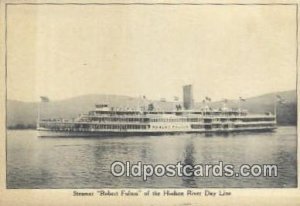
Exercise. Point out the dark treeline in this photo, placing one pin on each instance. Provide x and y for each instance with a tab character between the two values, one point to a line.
22	126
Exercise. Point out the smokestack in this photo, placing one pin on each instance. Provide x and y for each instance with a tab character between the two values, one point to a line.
188	102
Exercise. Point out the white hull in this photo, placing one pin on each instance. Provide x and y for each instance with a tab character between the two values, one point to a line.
42	132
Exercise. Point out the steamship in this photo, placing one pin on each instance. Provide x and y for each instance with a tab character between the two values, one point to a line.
104	120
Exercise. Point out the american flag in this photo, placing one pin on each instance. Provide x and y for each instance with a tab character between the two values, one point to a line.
242	99
280	99
208	99
44	99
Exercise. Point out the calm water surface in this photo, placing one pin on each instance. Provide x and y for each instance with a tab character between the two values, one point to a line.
34	162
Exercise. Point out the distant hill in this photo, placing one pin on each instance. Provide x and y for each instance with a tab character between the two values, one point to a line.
24	114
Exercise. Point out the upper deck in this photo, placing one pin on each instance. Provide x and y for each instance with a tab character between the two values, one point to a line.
181	113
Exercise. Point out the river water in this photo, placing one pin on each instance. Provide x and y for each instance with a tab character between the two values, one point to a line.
35	162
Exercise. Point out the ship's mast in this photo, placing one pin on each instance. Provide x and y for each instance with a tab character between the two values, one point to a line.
43	99
240	109
275	108
39	115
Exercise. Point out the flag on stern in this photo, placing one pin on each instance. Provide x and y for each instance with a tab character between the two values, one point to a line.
208	99
280	99
44	99
242	99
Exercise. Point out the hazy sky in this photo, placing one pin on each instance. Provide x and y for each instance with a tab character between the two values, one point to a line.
224	51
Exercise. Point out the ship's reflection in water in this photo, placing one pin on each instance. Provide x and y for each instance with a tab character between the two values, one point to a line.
34	162
189	159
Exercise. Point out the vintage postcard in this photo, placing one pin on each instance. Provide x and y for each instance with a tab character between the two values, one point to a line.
149	102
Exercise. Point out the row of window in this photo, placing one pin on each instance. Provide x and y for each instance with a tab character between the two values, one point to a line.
120	127
168	120
114	119
253	125
94	126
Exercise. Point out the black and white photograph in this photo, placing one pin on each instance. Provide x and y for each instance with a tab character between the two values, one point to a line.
152	95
